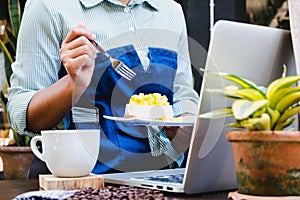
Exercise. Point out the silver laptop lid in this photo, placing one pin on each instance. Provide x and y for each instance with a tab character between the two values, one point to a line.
255	52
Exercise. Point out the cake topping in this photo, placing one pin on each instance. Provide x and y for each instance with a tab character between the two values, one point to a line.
149	99
149	106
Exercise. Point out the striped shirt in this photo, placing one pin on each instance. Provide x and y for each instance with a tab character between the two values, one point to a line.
142	23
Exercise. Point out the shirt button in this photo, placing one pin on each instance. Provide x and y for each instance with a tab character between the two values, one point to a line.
126	9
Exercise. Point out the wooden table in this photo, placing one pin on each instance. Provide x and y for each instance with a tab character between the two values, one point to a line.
11	188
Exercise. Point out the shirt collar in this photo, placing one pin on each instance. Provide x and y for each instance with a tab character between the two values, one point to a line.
91	3
152	3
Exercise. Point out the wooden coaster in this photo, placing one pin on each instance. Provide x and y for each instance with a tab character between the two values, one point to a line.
238	196
50	182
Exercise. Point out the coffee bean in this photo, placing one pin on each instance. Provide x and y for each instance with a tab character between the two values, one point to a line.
117	193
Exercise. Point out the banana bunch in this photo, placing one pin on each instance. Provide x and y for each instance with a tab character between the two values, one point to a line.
256	109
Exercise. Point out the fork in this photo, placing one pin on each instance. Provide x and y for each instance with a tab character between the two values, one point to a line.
117	65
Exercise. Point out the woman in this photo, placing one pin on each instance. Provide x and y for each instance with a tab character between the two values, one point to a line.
59	75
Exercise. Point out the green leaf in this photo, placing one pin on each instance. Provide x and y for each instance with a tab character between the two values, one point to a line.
277	96
6	52
245	93
219	113
8	69
234	125
8	60
242	109
243	82
288	101
271	108
284	71
280	83
12	39
21	140
256	124
259	112
284	124
289	113
274	114
234	92
15	15
3	98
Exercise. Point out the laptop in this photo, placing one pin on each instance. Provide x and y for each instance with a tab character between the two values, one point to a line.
255	52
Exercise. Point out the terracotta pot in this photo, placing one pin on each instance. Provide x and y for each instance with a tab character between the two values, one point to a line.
16	161
267	162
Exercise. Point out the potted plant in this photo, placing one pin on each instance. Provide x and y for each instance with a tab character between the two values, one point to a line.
17	155
265	149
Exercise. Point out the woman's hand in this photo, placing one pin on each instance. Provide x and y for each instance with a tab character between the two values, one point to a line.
78	56
180	136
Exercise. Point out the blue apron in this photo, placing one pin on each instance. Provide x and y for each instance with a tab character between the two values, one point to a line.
123	146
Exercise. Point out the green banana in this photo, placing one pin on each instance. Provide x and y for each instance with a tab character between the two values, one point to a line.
288	101
280	83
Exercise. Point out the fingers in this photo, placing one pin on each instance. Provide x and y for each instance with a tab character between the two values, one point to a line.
78	55
76	48
78	43
171	131
180	137
75	65
78	31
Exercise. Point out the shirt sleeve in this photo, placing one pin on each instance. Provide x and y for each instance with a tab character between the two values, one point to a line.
160	144
185	97
37	61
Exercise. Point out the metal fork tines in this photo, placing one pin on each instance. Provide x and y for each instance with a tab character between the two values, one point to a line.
117	65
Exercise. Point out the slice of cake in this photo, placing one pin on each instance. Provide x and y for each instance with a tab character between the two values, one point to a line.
149	106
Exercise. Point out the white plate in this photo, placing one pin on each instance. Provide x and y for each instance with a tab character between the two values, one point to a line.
148	122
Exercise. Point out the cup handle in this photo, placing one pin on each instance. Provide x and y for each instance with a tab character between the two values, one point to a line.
34	147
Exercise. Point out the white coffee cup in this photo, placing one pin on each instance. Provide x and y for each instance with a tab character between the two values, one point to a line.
68	153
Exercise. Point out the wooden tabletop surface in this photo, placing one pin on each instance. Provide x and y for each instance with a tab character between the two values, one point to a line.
11	188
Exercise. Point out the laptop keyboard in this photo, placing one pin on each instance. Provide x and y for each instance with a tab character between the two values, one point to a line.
176	178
